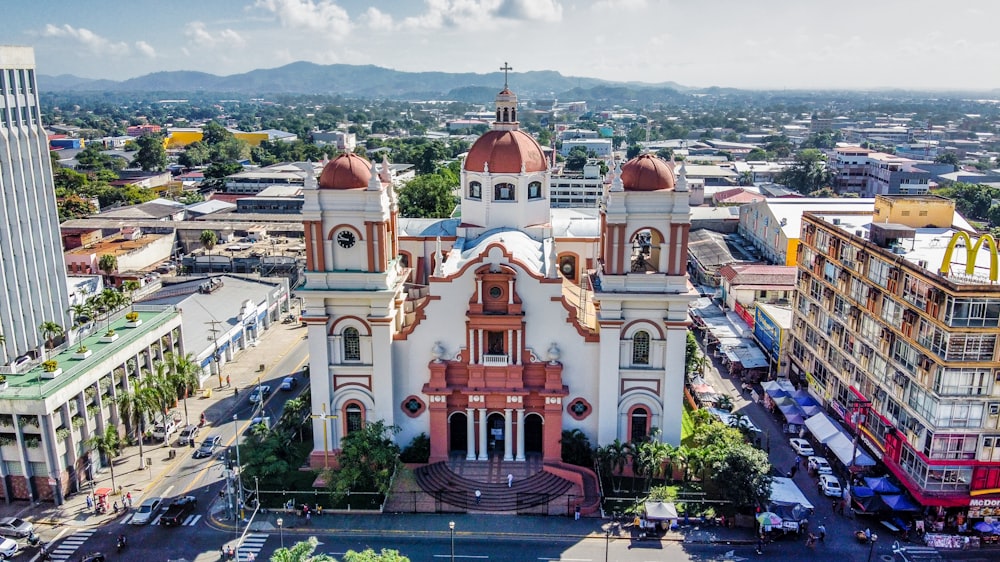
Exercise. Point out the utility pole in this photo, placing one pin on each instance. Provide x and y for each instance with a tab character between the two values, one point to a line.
215	338
859	414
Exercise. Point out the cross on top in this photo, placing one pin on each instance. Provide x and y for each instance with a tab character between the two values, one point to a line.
506	67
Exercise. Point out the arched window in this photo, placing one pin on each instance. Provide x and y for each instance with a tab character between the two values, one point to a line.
355	420
640	348
535	190
352	344
640	425
475	190
503	192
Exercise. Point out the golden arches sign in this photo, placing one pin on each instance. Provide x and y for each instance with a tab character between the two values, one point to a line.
971	253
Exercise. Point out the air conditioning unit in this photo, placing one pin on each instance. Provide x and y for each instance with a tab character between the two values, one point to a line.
994	409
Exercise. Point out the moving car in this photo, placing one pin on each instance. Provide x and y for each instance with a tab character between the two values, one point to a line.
188	434
8	548
178	510
260	393
147	509
93	557
801	446
288	383
830	486
208	447
822	466
14	527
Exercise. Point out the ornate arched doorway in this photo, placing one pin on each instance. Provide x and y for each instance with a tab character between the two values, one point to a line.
533	438
458	435
495	433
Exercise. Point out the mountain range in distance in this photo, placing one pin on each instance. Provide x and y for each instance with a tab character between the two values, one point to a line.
359	81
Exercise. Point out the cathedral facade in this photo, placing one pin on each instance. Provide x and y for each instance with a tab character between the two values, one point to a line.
495	331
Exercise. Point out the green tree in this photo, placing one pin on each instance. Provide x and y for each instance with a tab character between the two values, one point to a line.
208	240
50	331
301	552
947	158
613	457
577	158
93	158
427	196
73	206
756	155
108	445
807	173
691	353
151	157
367	460
743	475
576	448
972	200
184	377
107	263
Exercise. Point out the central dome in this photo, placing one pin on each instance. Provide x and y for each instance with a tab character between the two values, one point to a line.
647	172
347	171
505	152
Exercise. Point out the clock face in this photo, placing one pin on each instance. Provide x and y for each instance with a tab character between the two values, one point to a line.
345	238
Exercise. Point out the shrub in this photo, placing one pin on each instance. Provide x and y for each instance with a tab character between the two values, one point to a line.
50	365
132	316
418	451
81	349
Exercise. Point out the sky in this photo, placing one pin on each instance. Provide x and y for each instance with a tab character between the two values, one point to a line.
755	44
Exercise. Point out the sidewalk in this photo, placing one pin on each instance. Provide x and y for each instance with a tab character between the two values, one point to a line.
129	475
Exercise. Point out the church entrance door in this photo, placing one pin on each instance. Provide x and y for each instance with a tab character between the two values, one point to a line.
495	433
458	433
533	433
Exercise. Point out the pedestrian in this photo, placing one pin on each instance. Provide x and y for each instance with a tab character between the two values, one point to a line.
479	497
798	459
510	480
811	540
116	508
227	381
760	544
804	525
822	532
251	557
308	517
576	514
795	468
90	503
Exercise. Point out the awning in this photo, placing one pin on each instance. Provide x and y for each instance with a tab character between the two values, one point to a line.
778	388
898	502
881	485
822	427
844	449
660	511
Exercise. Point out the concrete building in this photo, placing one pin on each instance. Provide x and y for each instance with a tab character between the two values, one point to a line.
600	147
494	333
895	330
869	173
577	188
33	286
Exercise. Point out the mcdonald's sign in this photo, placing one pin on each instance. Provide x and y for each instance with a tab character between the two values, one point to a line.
971	253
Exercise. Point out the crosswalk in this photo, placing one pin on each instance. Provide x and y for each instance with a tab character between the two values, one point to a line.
190	521
252	544
70	544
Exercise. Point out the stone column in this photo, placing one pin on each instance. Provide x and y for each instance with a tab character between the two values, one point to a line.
508	429
470	432
484	453
520	435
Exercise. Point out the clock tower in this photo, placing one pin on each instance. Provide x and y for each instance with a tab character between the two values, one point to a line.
352	295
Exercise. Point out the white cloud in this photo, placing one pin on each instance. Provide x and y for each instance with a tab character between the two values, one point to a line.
312	15
452	13
377	19
145	48
88	39
199	34
531	10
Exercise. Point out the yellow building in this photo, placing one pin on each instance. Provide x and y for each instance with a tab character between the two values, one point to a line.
917	211
181	137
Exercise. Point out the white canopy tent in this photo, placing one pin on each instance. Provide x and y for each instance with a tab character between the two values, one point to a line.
660	511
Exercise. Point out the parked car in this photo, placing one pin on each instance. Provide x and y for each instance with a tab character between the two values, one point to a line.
801	446
188	434
147	510
15	527
288	383
207	447
8	548
93	557
830	486
164	429
820	465
260	393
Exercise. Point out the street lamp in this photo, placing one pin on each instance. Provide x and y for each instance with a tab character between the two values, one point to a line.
451	525
239	473
281	533
607	542
871	547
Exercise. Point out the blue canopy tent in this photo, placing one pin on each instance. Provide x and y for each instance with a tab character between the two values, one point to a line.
898	503
881	485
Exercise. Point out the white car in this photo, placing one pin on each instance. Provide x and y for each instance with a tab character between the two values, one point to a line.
165	429
146	511
820	465
8	548
830	486
801	446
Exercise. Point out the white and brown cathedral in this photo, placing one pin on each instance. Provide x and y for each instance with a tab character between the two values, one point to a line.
494	332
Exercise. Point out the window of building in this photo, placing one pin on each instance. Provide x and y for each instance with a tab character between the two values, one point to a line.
640	348
580	409
878	271
503	192
960	414
964	382
495	343
355	419
971	347
475	190
413	406
352	344
972	312
639	425
535	190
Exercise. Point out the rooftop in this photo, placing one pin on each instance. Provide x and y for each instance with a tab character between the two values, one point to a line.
116	246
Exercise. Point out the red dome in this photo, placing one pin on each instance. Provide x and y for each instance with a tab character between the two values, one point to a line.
646	172
505	151
347	171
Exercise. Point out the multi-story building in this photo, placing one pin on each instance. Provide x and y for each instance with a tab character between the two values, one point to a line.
33	286
577	189
869	173
895	329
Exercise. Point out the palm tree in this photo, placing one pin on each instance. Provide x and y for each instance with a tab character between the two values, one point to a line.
185	376
80	313
112	301
108	445
50	330
133	408
129	288
208	240
108	263
700	363
614	457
